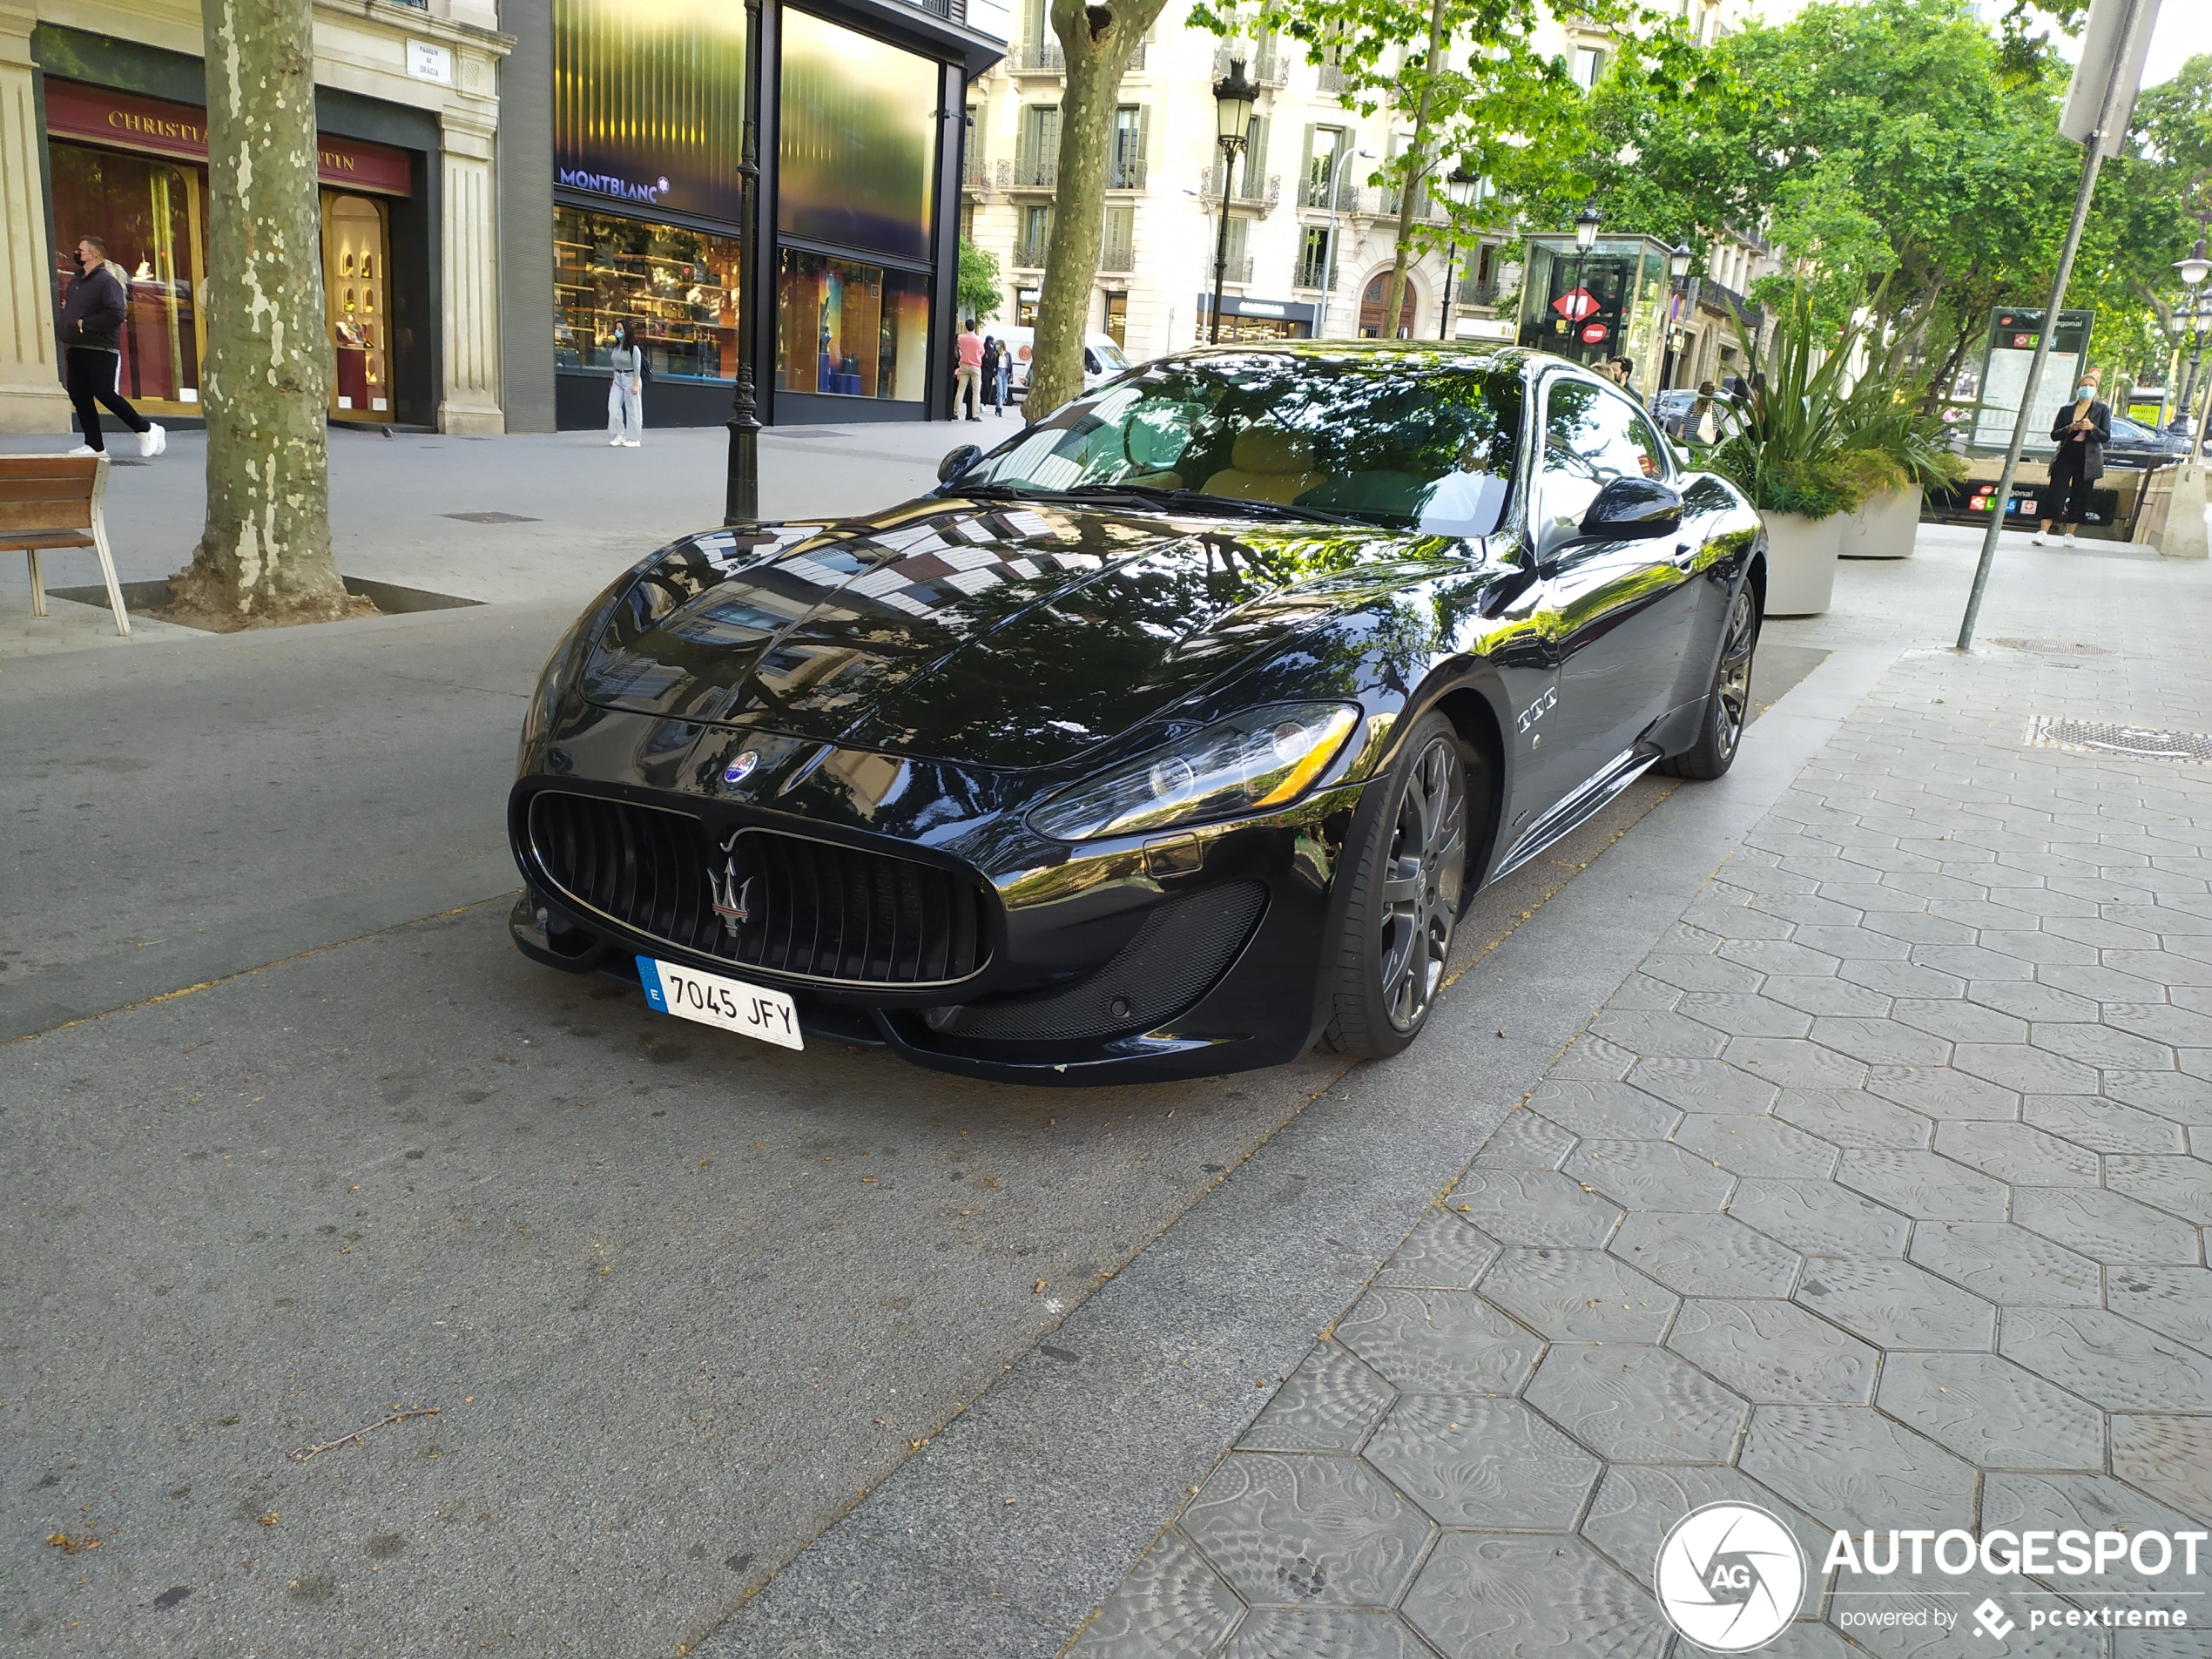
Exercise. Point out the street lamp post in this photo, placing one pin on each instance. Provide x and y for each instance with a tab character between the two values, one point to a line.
741	501
1232	102
1460	188
1586	224
1329	273
2192	271
1677	267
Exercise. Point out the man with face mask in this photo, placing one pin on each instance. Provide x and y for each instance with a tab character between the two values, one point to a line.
93	312
2082	429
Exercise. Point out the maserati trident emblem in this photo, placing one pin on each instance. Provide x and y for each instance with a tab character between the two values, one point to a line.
731	896
739	769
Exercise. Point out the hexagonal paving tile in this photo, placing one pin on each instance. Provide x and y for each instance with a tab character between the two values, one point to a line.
2032	1001
1902	979
2103	1125
1484	1595
2102	1045
1853	1117
1637	1504
1645	1031
2180	1186
1171	1603
1847	1466
1438	1342
2174	1301
1650	1175
1705	1255
1534	1207
1589	1056
1958	1021
1742	1015
2167	1456
1818	994
2018	1154
1991	1412
2002	1263
1313	1632
1328	1404
1473	1460
2021	1502
1749	1144
1607	1110
2161	1023
1894	1305
1779	956
1525	1141
1923	1184
2109	1226
1703	1085
2024	1070
1795	1065
1442	1253
1818	1217
1853	944
1702	973
1775	1352
1637	1405
1943	1094
2171	1094
1880	1043
2117	1364
1306	1530
1579	1296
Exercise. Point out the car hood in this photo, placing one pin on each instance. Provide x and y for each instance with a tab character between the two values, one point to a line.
995	634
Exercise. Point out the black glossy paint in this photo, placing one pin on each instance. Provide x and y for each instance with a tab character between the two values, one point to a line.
916	680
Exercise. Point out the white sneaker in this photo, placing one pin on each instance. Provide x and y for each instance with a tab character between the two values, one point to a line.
615	442
630	443
152	441
87	449
2069	541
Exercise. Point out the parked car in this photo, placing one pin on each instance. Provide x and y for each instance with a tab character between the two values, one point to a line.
1670	406
2134	444
1174	734
1102	359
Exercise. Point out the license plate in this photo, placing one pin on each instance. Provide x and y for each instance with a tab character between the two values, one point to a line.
751	1011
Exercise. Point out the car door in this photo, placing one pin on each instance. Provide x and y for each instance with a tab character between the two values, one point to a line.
1626	609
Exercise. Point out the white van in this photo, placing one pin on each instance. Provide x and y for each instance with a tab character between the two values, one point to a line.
1102	359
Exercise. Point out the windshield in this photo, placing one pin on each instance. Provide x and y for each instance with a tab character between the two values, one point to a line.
1404	441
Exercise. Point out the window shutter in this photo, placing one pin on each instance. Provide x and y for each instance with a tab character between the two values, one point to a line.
1308	188
1237	247
1143	141
1256	155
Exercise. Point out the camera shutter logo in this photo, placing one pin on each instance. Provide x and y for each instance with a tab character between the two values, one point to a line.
1730	1577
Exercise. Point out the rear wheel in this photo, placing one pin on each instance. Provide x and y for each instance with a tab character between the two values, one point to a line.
1407	871
1728	700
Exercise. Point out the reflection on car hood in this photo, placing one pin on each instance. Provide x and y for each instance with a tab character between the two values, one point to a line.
1002	634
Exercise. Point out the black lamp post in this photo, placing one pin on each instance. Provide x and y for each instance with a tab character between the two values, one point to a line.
2192	271
741	503
1677	267
1586	224
1232	105
1460	188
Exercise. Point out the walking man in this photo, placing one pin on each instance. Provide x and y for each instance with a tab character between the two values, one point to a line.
93	312
967	382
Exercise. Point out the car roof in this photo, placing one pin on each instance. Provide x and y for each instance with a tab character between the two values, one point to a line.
1430	354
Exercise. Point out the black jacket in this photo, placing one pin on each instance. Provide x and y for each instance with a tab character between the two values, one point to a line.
93	311
2091	449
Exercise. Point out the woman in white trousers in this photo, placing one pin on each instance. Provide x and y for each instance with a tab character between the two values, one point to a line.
626	392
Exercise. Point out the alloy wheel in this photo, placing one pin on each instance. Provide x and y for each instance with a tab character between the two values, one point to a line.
1732	686
1421	889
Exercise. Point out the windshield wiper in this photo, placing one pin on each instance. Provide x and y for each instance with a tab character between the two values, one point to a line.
1154	495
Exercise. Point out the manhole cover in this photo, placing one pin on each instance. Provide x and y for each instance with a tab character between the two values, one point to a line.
493	518
2099	738
2052	647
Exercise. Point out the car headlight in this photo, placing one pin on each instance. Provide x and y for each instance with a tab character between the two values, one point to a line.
1254	763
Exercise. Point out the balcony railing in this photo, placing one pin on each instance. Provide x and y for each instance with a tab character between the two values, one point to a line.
1028	252
1037	57
1125	173
1031	173
1314	273
1267	63
976	175
1317	194
1254	190
1332	80
1136	59
1118	254
1239	273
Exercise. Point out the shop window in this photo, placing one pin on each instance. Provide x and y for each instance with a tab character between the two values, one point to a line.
148	211
680	287
852	330
1117	319
356	255
857	155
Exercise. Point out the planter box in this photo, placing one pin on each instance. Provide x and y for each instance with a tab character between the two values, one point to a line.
1801	562
1885	528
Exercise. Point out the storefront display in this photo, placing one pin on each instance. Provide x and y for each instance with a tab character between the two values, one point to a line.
678	286
852	330
125	169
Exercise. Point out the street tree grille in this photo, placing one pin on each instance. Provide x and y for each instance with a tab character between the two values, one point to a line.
815	910
2102	737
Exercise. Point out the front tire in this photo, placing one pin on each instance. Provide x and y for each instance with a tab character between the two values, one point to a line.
1728	699
1406	872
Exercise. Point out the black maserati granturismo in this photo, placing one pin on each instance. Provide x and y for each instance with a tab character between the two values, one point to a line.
1170	737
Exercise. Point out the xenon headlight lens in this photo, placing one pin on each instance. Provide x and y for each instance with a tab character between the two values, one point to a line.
1253	763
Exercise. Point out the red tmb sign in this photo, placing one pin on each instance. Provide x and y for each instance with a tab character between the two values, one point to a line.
1592	333
1575	304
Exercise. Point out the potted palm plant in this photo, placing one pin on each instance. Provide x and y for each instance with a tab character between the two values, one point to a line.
1786	454
1892	451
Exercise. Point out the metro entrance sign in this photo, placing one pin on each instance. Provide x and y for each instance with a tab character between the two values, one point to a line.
1575	305
2014	333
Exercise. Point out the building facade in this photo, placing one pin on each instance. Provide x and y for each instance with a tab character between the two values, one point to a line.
103	133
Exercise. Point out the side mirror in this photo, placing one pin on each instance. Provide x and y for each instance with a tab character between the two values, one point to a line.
1632	510
958	463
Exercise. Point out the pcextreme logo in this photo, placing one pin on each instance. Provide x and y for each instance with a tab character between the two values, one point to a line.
1729	1576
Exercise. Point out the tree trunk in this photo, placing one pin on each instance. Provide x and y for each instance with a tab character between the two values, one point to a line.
1416	171
264	555
1097	40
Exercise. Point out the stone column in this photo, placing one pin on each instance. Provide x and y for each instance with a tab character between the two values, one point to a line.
31	399
468	402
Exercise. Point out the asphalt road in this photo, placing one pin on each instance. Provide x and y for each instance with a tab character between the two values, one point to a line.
296	1141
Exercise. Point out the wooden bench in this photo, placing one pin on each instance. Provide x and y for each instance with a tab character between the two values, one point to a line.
51	503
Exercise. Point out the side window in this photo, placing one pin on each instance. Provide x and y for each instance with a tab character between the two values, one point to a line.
1591	437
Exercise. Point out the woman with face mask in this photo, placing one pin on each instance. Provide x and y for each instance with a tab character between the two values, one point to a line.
2082	429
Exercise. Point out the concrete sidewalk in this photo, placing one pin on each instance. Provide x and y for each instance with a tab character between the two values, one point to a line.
1875	1197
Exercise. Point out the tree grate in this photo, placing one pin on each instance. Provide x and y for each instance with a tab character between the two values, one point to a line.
2102	737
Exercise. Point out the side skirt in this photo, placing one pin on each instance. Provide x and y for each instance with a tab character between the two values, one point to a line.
1579	807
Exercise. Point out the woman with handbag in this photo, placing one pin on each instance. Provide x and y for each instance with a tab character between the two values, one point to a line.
626	393
2082	430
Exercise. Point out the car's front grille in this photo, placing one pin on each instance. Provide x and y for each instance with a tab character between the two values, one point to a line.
762	898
